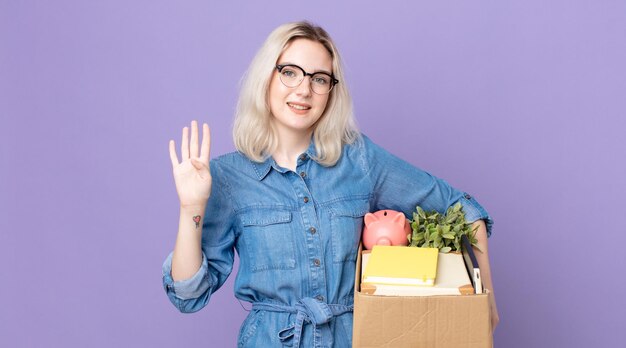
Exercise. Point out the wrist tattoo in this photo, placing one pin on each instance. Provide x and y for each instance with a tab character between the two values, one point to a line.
196	219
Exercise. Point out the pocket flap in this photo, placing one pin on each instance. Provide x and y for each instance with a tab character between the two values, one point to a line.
351	208
264	217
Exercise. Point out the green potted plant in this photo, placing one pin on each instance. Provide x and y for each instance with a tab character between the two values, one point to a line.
434	230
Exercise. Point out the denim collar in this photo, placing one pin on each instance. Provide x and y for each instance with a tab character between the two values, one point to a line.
263	168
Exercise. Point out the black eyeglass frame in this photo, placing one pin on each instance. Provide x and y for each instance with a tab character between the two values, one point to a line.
280	67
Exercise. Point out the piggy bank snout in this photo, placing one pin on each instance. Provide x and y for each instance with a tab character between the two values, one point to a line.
383	241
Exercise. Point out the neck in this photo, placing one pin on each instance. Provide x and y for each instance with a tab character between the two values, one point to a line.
290	146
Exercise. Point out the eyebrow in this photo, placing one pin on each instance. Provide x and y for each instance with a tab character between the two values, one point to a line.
314	71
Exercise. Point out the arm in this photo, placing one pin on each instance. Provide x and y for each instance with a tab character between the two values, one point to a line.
401	186
216	238
203	255
187	256
193	185
483	262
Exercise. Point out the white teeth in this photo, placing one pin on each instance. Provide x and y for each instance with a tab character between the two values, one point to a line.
298	107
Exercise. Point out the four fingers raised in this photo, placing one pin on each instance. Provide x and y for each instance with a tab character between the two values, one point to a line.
189	147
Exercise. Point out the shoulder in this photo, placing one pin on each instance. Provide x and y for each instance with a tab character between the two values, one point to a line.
362	152
365	148
236	166
362	143
234	158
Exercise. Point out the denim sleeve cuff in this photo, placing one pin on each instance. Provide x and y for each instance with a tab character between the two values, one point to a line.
474	211
191	288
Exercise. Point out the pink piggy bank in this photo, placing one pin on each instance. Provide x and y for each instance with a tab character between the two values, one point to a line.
385	227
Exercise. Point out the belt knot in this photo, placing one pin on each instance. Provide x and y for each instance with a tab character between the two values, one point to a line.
307	310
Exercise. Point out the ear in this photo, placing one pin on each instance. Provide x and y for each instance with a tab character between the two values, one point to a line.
399	219
370	218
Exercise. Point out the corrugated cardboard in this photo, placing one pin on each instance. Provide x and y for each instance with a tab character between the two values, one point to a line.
430	322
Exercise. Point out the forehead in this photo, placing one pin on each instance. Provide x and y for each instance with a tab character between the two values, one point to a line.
310	55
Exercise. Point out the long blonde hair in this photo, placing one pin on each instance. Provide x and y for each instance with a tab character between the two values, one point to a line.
253	133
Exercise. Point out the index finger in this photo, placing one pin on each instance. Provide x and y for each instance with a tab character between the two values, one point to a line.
205	147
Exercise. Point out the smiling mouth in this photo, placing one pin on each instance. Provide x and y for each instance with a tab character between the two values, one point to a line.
299	106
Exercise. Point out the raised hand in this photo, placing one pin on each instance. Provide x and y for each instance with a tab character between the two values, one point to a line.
192	175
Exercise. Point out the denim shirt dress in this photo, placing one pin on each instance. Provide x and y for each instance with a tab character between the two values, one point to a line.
297	234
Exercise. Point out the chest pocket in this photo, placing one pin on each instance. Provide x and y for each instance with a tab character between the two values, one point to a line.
346	222
268	239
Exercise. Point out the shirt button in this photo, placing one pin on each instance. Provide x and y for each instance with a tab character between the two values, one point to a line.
312	230
467	196
319	298
303	157
302	174
316	262
306	199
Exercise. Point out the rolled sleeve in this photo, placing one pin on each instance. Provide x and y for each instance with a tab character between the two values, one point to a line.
474	211
187	289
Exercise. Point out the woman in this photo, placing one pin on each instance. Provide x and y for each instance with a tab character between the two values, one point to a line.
291	201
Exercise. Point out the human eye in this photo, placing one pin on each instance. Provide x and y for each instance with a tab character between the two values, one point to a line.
289	72
321	79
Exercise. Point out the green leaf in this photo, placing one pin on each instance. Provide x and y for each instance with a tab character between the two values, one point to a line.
445	249
448	235
421	212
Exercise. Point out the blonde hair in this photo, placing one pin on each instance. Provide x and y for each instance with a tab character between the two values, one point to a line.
253	132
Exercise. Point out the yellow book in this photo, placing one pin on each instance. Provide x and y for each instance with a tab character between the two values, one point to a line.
401	265
452	279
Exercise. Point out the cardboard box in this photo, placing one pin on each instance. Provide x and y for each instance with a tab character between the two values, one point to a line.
430	322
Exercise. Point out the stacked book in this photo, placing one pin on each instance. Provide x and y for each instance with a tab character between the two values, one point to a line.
411	271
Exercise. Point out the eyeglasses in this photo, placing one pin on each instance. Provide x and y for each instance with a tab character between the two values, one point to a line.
292	76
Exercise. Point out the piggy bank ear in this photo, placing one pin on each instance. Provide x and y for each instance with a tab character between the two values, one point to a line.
370	218
399	219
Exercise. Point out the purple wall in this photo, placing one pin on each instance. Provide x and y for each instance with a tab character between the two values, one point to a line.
521	104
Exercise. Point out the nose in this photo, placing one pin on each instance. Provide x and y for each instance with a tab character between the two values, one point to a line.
305	86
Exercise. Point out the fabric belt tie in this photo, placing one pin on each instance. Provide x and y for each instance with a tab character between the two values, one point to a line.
307	310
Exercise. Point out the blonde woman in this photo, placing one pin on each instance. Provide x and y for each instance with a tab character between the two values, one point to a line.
291	200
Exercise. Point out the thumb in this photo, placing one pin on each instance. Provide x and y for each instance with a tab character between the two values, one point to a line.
198	165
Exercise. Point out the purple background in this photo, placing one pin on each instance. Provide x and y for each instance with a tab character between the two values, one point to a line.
519	103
